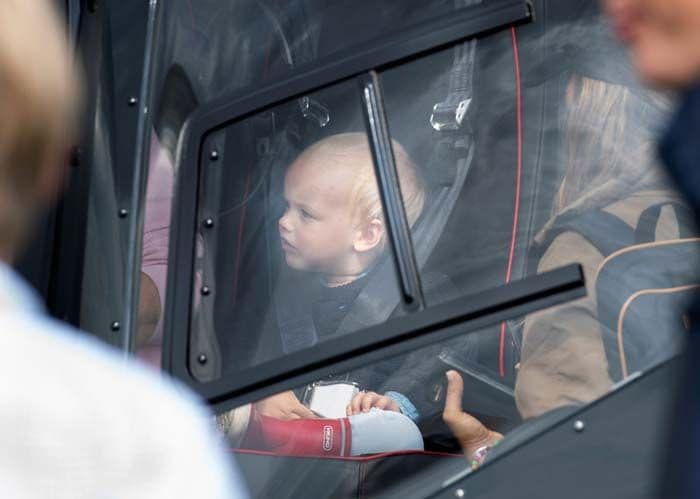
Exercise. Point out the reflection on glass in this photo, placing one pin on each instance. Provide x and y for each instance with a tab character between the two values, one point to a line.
154	264
296	251
458	131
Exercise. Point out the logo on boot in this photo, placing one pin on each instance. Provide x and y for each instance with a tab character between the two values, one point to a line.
327	438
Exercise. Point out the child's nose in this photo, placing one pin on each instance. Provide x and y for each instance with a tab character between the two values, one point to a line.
284	223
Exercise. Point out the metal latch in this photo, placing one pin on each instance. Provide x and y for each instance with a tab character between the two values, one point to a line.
449	115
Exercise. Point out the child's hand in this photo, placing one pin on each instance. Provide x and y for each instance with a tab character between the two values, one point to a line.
364	401
284	406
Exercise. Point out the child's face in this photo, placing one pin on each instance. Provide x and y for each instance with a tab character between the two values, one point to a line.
317	229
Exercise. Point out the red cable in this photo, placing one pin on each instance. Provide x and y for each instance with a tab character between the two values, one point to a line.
366	458
516	213
241	224
266	68
189	4
240	232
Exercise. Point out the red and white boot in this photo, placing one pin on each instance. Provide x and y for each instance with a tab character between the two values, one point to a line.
299	437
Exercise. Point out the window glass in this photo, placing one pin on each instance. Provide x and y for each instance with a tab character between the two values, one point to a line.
292	235
154	257
212	47
461	127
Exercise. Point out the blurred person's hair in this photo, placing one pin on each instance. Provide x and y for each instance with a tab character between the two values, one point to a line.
609	142
39	96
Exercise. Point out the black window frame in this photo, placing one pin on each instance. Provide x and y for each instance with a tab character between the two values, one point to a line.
359	63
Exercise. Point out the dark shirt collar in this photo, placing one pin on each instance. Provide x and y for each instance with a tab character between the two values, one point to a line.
334	303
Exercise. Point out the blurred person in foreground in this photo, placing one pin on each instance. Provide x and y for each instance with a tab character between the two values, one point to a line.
76	421
663	37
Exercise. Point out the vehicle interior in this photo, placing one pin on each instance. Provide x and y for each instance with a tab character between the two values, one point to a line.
533	143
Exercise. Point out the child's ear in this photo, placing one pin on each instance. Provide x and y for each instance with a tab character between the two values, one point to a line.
369	236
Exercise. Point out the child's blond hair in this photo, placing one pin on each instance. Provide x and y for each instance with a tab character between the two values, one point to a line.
38	102
353	149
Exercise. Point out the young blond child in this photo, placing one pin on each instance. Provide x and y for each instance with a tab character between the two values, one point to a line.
333	224
333	227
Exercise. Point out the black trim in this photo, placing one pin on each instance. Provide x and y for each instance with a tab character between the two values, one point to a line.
390	193
397	336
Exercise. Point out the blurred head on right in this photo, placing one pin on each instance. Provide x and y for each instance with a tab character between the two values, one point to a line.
39	100
663	37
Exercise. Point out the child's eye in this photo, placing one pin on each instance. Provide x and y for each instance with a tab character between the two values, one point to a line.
306	215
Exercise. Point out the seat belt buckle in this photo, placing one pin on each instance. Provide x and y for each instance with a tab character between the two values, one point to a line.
450	114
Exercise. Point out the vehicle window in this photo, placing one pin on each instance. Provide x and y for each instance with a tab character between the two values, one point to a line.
292	232
206	49
262	290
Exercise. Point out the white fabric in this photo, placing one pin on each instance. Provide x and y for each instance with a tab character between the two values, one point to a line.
378	431
77	421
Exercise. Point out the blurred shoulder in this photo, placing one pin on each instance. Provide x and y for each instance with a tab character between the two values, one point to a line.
79	413
42	354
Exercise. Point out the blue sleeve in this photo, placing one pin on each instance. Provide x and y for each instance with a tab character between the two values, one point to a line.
405	405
